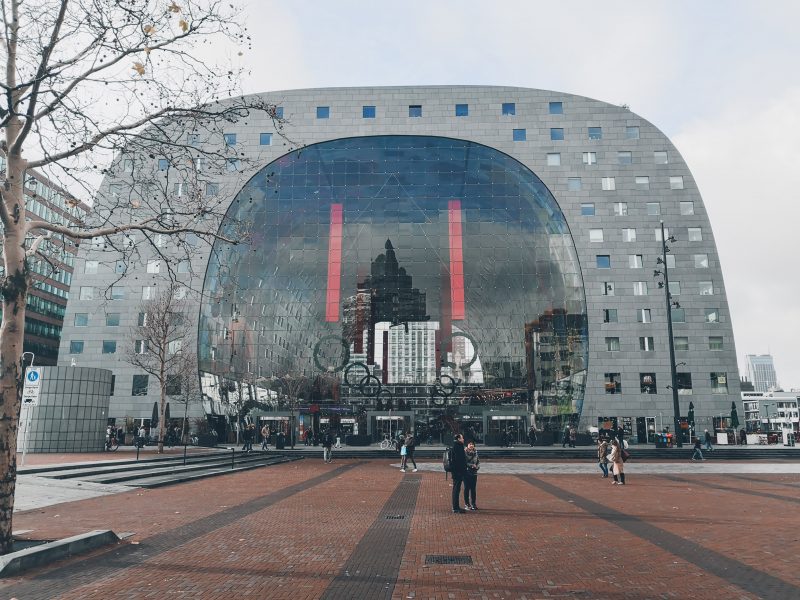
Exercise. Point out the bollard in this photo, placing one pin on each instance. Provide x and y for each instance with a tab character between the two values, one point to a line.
233	457
137	449
184	453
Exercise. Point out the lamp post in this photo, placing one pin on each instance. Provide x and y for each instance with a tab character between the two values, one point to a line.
766	410
669	304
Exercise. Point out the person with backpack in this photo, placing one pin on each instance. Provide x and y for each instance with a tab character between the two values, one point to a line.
458	468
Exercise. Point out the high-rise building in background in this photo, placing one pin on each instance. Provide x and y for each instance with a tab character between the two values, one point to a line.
761	371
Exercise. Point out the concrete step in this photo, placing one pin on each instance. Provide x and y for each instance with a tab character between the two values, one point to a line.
182	477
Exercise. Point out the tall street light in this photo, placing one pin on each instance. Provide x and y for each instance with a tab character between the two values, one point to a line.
669	304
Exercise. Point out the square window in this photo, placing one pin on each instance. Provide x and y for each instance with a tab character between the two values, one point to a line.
715	342
675	288
415	110
323	112
706	288
139	387
120	267
620	209
660	157
629	234
175	346
574	184
683	382
112	319
653	209
509	108
212	189
117	292
632	132
140	346
86	293
184	266
180	188
154	266
81	319
647	383
367	112
608	288
142	319
265	139
556	108
609	184
556	133
635	261
109	346
462	110
519	135
695	234
646	344
609	315
163	164
681	343
719	383
595	133
643	315
613	383
676	182
624	157
642	182
670	261
232	165
678	315
173	385
711	315
90	267
278	112
76	347
603	261
587	209
687	208
229	138
658	233
612	344
554	159
147	292
127	165
590	158
701	261
193	139
640	288
595	235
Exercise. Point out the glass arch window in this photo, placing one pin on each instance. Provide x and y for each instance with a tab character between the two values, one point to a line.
406	272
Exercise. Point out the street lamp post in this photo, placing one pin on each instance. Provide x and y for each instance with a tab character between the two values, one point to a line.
766	410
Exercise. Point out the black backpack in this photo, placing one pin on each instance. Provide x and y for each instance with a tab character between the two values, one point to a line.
447	462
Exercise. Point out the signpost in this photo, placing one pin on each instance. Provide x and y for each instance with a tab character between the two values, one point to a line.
30	398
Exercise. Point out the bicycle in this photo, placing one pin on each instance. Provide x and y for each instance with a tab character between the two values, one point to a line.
387	443
111	443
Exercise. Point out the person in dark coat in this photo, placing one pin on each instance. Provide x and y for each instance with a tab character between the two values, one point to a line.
458	464
621	436
532	436
327	445
471	476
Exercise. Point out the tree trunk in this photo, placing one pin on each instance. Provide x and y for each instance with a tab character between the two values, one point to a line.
162	413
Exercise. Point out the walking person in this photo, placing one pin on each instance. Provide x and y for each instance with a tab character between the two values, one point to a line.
565	438
697	452
403	456
471	476
616	459
602	456
458	465
327	445
707	438
265	438
411	444
621	436
573	436
532	436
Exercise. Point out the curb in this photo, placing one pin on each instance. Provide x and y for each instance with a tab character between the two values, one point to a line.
44	554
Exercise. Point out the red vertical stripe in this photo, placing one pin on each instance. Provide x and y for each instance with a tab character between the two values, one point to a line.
334	265
456	261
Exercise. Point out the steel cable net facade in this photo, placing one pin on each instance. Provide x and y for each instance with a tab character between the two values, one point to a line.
398	272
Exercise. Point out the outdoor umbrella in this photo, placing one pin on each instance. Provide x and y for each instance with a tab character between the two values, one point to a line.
154	416
734	416
166	415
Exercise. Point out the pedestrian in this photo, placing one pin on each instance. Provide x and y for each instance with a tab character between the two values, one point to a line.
411	444
403	456
616	458
327	445
565	438
573	436
697	452
471	476
532	436
743	437
707	437
621	436
265	438
602	455
458	466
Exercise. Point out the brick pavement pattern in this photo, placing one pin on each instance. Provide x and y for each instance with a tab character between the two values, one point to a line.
362	529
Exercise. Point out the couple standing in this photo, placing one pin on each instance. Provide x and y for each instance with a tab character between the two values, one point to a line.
464	469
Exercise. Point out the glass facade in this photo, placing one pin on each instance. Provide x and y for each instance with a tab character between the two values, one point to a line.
419	274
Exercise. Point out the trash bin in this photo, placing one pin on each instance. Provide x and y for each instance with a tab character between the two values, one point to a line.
661	440
280	442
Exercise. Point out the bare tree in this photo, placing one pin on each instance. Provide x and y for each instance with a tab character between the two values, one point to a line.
183	386
87	85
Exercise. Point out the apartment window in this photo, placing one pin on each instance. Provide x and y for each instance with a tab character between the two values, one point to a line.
684	383
140	346
120	267
147	292
519	135
624	157
175	346
265	139
163	164
127	165
646	344
509	108
647	383
323	112
701	261
367	112
415	110
153	266
90	267
715	342
660	157
674	288
554	159
76	347
229	138
687	208
653	209
608	288
556	133
112	319
678	315
719	383
278	112
232	165
643	315
86	293
184	266
613	383
670	261
694	234
140	383
635	261
603	261
81	319
640	288
109	346
193	139
179	188
612	344
609	184
629	234
706	288
642	182
590	158
620	209
609	315
676	182
462	110
632	133
117	292
595	235
173	387
595	133
212	189
574	184
556	108
711	315
587	209
141	321
658	233
681	343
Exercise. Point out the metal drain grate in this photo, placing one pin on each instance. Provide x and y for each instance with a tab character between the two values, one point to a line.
447	559
395	517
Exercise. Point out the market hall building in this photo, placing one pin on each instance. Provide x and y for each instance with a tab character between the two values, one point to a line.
437	259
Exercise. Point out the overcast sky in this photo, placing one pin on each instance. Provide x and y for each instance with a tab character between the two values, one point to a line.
720	78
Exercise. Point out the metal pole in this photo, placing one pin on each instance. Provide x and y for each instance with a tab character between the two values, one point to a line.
29	415
675	402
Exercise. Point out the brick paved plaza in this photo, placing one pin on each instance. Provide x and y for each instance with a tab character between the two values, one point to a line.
362	529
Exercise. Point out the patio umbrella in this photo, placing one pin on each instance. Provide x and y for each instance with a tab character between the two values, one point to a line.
166	415
154	416
734	416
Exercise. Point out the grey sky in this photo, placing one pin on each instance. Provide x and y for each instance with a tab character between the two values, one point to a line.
720	78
